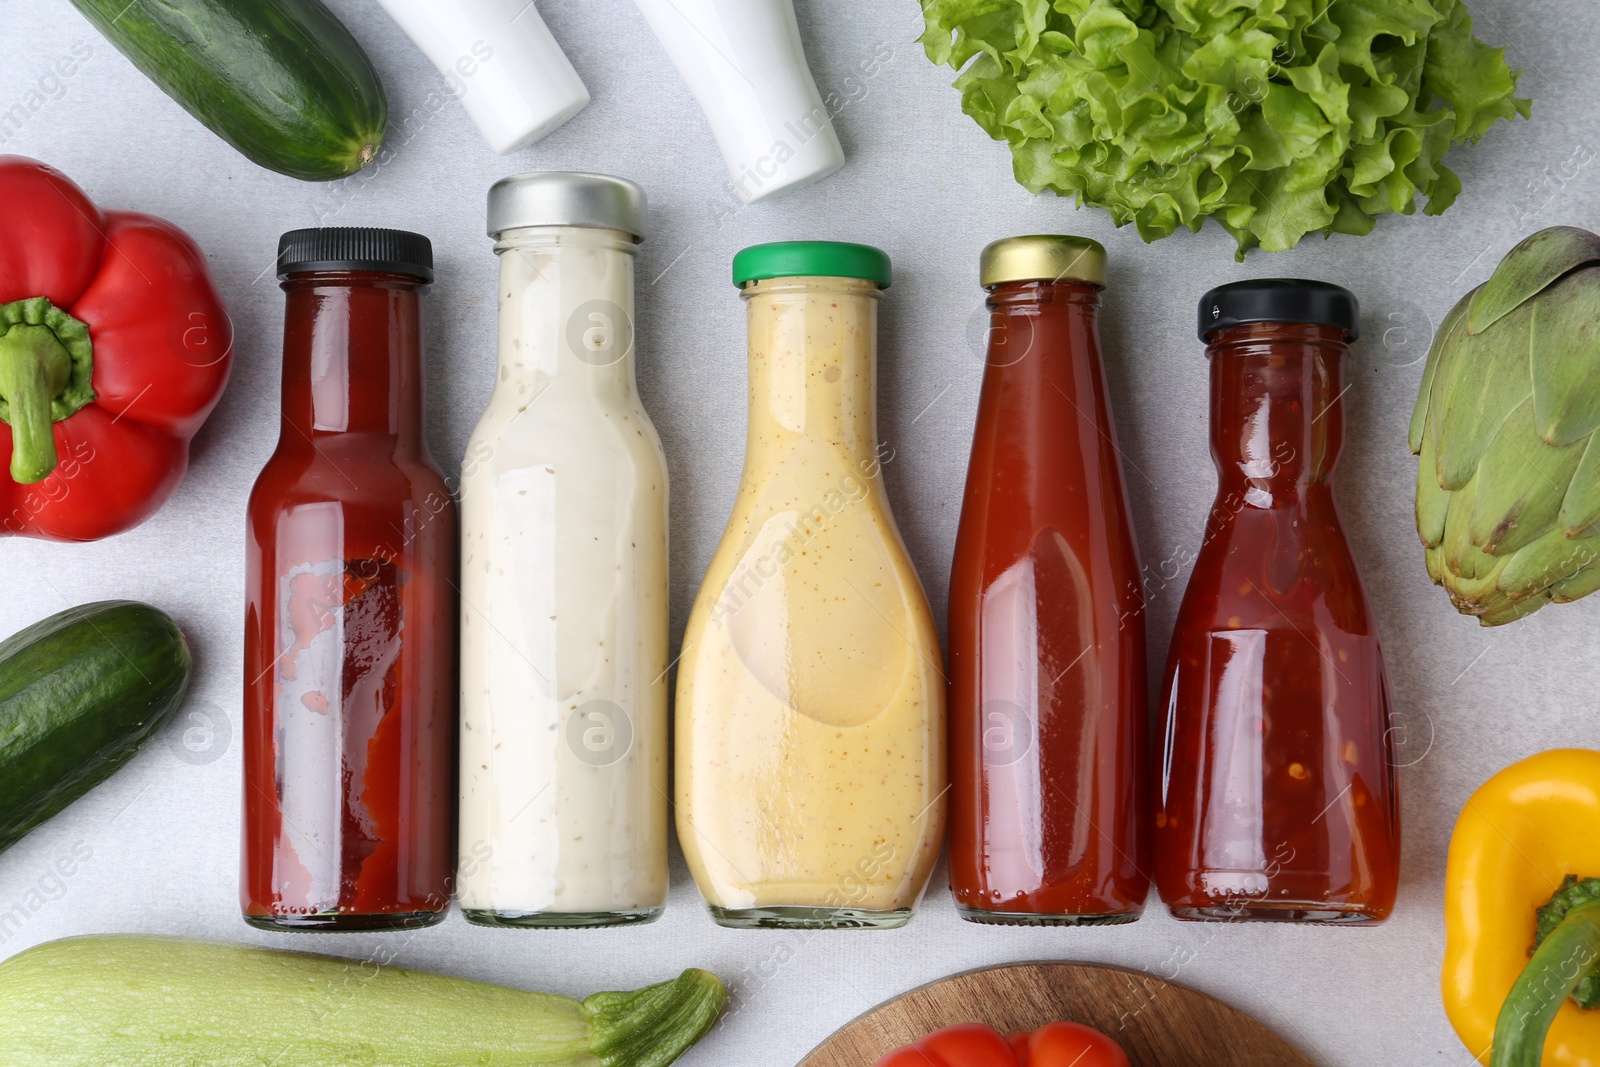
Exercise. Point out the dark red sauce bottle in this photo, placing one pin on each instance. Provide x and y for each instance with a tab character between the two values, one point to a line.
350	626
1276	781
1048	705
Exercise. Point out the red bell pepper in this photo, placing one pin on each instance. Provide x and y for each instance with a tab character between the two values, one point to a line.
114	347
1060	1044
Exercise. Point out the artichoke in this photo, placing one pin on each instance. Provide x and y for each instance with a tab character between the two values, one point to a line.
1508	488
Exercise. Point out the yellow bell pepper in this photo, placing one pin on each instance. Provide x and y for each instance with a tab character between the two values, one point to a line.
1529	836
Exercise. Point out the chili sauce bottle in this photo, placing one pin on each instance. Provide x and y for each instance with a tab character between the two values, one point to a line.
810	713
1276	795
1048	707
350	621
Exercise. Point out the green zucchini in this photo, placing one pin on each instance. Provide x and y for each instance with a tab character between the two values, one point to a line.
280	80
129	1000
80	692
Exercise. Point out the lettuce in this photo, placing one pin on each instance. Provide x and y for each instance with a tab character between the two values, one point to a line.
1275	117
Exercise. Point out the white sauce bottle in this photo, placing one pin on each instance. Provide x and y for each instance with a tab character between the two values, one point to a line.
745	65
563	818
500	60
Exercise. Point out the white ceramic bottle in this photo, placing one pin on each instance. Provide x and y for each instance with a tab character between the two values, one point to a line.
563	809
500	60
745	65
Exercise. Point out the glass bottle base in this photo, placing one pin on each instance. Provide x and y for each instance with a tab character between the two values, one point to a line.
559	920
1279	911
334	922
802	918
1026	918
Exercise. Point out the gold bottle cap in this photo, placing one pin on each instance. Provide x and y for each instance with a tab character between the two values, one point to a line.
1042	258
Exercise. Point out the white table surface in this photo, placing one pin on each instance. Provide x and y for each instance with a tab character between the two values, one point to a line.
926	184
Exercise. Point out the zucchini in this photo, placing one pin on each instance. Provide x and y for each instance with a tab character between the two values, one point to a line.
130	1000
280	80
80	692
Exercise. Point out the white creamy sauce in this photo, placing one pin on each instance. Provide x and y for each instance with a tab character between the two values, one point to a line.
564	598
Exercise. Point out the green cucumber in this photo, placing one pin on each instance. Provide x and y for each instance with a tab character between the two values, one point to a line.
280	80
128	1000
80	692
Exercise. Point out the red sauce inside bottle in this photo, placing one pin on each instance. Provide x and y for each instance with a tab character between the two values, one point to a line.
1047	645
1277	792
350	627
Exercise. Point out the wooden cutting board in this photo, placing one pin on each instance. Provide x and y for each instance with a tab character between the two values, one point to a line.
1159	1024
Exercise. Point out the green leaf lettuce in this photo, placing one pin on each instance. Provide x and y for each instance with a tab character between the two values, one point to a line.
1276	117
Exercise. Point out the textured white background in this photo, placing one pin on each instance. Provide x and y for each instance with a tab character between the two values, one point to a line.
926	184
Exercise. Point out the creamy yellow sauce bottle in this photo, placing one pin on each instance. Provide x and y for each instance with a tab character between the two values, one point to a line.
810	760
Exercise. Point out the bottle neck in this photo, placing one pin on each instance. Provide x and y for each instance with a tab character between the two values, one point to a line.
1039	330
813	363
352	354
1277	422
566	311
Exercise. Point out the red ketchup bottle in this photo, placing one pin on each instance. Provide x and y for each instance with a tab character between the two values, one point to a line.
1047	646
1276	782
350	624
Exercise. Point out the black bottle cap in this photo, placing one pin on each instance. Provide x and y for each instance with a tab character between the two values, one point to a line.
355	248
1279	300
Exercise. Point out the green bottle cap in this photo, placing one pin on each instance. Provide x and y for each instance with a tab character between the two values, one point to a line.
829	259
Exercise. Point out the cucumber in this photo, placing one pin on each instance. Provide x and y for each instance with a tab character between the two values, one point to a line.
129	1000
280	80
80	692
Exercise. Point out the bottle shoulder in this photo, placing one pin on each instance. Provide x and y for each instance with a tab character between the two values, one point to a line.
550	428
333	467
1275	567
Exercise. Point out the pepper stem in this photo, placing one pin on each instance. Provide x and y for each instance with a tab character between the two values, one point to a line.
1561	961
46	361
33	369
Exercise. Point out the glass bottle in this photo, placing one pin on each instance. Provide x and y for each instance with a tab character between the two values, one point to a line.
1048	735
1277	785
349	740
810	713
563	818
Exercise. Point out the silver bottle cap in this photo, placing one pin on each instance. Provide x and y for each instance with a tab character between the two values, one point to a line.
566	198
